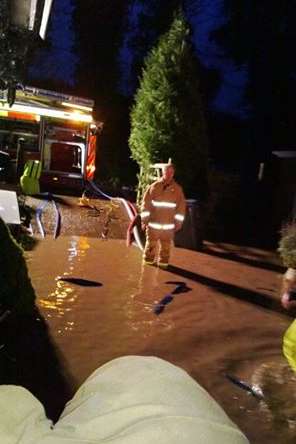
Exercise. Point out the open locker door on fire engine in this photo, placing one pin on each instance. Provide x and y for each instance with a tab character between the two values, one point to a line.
64	150
66	157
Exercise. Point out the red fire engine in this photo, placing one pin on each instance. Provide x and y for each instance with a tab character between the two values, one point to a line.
57	129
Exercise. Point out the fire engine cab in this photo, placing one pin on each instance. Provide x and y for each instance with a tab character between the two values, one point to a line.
56	129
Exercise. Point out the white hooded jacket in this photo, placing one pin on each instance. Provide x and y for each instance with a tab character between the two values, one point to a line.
130	400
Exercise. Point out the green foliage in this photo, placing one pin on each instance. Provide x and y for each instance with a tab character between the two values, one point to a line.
16	291
287	245
167	118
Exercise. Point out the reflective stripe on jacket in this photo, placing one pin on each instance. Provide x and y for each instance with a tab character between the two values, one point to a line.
163	205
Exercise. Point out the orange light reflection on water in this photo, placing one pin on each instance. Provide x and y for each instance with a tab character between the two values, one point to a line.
64	295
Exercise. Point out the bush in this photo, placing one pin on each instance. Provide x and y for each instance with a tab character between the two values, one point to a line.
287	245
16	291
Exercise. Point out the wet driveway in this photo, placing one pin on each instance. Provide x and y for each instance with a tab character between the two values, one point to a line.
212	313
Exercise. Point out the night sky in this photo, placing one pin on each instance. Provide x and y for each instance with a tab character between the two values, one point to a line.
230	96
59	61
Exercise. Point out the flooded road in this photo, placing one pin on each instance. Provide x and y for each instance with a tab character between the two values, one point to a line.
228	321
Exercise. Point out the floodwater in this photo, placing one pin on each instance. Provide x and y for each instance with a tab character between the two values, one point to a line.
228	320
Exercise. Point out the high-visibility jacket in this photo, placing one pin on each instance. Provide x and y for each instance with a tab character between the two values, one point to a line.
30	178
163	207
289	345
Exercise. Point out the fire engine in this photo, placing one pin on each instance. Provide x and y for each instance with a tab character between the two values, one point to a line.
56	129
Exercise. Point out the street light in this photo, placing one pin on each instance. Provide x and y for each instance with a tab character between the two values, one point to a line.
22	23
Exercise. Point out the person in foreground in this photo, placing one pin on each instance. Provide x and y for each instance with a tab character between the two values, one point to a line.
129	400
162	214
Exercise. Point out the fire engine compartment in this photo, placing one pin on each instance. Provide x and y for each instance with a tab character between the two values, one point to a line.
56	129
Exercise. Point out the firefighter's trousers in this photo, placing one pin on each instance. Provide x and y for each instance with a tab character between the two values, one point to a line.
152	240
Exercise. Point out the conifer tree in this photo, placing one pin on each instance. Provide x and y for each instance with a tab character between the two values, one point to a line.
167	118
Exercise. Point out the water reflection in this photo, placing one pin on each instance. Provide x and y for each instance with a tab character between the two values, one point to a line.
62	299
142	301
59	299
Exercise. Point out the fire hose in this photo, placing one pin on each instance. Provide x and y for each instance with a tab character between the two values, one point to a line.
130	210
39	212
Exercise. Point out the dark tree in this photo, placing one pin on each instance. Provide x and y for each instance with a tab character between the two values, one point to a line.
153	18
262	35
167	119
100	26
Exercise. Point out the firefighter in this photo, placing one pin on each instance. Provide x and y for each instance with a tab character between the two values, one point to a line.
162	213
